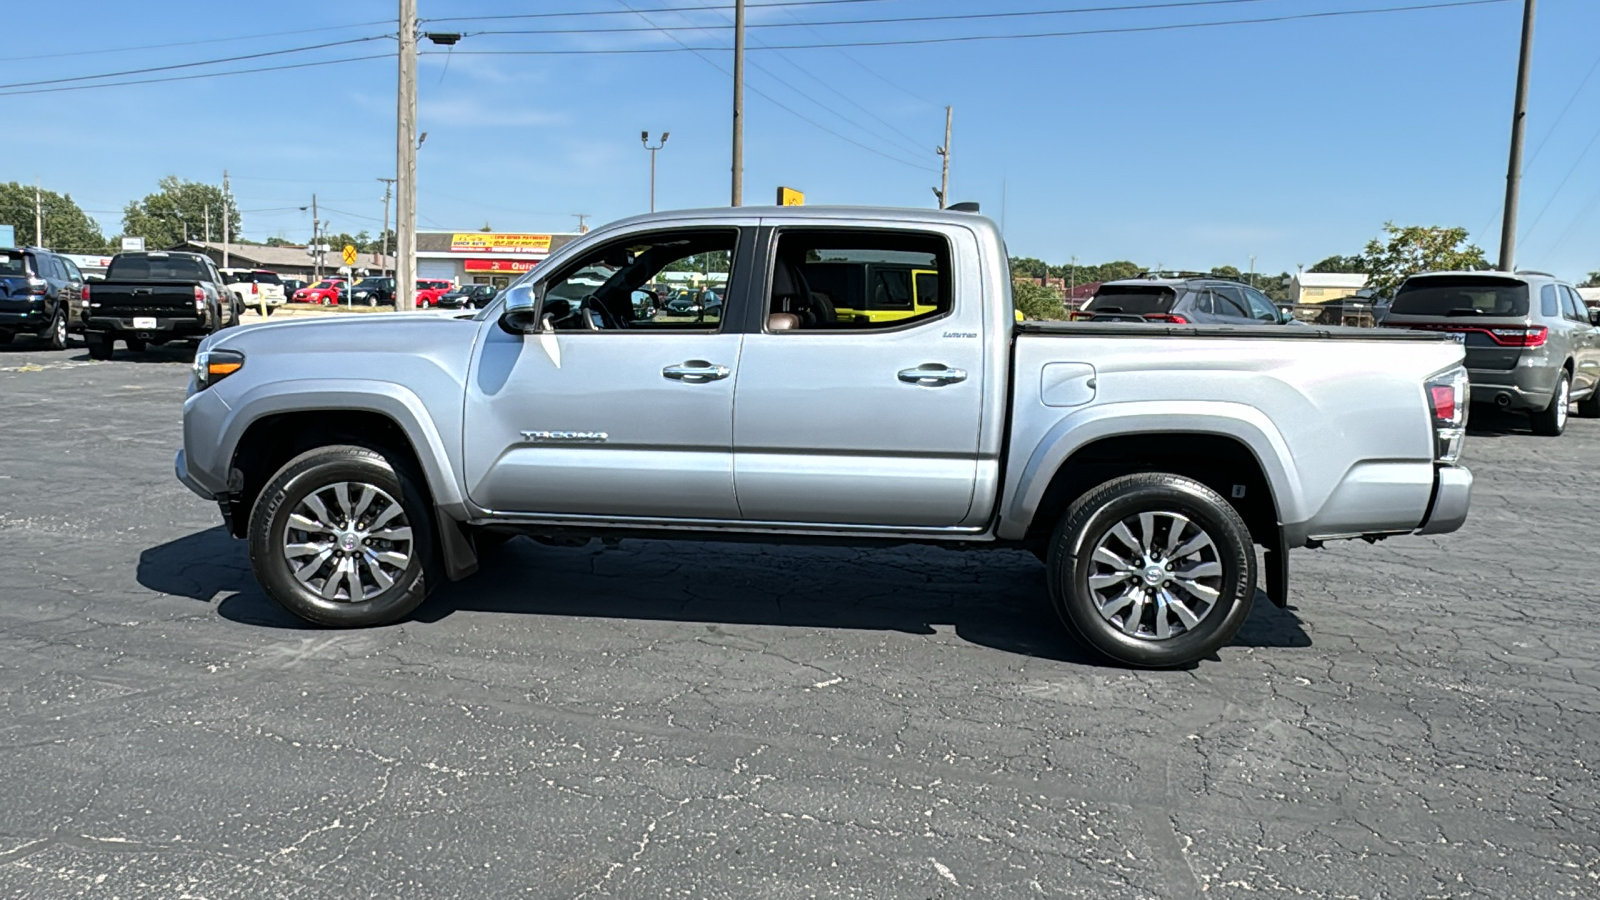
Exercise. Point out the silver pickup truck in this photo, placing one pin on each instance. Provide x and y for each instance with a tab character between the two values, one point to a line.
862	381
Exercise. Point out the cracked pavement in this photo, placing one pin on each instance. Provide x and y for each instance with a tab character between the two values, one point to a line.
741	720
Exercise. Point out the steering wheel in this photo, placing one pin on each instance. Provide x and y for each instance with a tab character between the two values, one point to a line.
591	307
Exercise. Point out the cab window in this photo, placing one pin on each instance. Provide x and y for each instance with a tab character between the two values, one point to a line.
655	282
838	279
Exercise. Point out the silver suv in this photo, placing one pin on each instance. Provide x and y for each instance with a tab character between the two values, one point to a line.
1531	344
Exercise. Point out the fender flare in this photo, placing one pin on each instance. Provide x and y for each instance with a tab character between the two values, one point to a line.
1073	432
385	398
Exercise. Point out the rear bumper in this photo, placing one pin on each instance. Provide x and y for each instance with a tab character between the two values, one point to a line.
33	318
1525	387
1451	497
174	326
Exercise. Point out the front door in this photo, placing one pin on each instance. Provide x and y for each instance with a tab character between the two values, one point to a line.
845	417
615	410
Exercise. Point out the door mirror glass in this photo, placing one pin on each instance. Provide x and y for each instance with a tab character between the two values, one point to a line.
1594	316
518	316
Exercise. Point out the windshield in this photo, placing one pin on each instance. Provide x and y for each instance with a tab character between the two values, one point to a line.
327	283
155	268
1461	295
1138	299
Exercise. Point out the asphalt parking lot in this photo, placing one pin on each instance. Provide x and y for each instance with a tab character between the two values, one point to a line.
680	719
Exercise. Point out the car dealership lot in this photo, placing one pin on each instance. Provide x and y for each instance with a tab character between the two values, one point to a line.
736	720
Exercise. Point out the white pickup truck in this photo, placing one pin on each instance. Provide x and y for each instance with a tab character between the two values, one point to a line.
365	458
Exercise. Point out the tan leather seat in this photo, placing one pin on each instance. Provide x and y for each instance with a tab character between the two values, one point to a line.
783	322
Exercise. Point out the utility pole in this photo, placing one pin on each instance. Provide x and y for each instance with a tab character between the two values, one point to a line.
738	103
582	228
944	166
1072	284
225	221
38	215
208	222
316	253
1519	115
405	281
644	138
388	185
1252	271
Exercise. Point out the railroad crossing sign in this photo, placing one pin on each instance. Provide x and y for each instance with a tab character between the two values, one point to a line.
349	254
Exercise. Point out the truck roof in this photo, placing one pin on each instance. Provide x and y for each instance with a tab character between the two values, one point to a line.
811	212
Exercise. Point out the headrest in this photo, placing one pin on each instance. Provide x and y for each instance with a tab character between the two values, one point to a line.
783	280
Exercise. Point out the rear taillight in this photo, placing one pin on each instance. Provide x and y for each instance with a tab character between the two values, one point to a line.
199	299
1520	337
37	286
1170	318
255	288
1081	315
1448	399
84	293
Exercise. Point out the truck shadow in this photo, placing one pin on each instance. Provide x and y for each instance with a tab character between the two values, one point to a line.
994	600
1490	421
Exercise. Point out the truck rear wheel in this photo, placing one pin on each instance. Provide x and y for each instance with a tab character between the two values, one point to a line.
342	536
1153	570
99	344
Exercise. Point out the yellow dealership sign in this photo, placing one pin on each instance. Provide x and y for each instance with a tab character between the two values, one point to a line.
483	242
790	197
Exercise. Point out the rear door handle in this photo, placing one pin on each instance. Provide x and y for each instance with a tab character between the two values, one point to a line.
696	371
932	375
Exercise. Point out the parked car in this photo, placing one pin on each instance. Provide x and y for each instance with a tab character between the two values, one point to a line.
292	286
1142	464
1199	300
468	296
325	292
256	287
374	291
1531	345
693	303
41	294
430	290
158	296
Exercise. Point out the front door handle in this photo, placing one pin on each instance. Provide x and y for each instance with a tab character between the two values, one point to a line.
696	371
932	375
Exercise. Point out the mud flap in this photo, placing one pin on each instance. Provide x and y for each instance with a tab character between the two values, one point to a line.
460	556
1276	562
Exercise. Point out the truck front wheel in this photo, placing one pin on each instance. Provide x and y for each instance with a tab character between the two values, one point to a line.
1153	570
341	536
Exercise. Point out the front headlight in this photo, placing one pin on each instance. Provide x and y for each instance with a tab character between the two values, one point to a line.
211	366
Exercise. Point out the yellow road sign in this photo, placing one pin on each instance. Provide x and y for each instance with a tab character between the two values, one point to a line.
790	197
349	254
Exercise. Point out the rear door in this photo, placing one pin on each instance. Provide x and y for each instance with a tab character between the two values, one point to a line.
840	420
1231	307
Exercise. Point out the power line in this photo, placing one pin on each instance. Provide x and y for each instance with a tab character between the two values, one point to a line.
1557	192
888	20
627	12
90	87
191	65
208	40
903	42
871	71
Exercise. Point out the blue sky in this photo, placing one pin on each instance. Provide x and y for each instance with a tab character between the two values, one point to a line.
1185	148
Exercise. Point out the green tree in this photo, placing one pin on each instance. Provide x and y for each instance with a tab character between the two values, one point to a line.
1231	273
1592	281
67	227
1027	267
1417	248
1037	301
1336	264
178	210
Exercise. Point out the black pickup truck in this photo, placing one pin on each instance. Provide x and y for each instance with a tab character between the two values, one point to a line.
157	297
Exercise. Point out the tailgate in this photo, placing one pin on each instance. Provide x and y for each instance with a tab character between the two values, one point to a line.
142	298
14	294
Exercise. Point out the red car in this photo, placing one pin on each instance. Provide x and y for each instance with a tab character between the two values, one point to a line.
429	291
325	292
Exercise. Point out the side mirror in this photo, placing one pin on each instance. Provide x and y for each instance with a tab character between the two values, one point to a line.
1594	315
518	315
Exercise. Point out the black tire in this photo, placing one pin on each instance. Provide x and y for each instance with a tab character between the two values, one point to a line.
56	336
1589	407
317	472
1096	515
1552	420
99	345
136	345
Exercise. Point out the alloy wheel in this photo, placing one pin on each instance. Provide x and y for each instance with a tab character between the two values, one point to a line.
348	541
1155	575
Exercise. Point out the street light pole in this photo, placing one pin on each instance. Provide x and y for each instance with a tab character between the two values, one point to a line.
1519	116
405	282
644	138
738	103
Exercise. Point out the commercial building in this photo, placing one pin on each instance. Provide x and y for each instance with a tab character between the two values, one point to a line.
483	257
288	262
1324	287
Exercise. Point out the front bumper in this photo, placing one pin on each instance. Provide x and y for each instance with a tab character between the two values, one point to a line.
180	466
1452	495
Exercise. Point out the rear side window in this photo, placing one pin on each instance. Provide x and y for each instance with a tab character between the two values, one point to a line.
1135	299
1461	296
73	274
1571	305
858	279
1548	306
